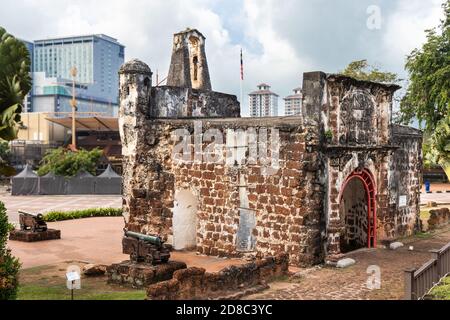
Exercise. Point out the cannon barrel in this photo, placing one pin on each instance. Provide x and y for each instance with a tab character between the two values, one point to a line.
38	216
151	239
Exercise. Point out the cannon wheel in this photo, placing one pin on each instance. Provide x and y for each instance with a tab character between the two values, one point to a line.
134	257
149	259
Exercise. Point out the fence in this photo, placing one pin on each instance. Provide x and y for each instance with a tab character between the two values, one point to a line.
418	283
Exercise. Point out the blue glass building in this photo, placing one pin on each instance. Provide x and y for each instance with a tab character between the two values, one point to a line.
97	59
28	103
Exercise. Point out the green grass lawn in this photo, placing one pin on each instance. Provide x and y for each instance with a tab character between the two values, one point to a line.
49	283
442	292
60	292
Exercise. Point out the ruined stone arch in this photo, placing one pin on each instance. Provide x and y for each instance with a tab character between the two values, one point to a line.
358	211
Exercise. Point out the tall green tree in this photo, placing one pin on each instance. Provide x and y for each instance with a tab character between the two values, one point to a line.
9	266
362	70
427	96
15	83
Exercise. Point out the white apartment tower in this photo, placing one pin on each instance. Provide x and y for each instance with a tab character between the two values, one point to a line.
293	103
263	102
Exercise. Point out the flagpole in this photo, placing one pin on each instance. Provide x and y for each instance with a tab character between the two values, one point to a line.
242	81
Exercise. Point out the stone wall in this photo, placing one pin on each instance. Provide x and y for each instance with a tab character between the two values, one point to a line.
404	184
141	275
286	203
354	119
178	102
195	283
438	218
254	207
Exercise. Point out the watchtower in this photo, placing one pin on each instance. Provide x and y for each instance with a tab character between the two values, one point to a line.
189	67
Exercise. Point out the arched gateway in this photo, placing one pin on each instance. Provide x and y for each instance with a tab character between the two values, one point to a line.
358	211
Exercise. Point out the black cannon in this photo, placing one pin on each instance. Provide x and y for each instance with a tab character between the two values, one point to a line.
145	248
31	222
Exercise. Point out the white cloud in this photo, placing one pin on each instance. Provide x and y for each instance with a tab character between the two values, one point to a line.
405	28
281	39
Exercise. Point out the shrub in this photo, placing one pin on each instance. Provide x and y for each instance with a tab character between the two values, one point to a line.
80	214
9	266
68	163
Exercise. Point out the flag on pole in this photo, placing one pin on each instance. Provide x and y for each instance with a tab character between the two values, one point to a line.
242	66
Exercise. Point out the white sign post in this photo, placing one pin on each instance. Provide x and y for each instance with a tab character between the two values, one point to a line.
403	201
73	279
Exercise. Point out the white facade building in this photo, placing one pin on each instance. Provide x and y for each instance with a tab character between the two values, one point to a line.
293	103
263	102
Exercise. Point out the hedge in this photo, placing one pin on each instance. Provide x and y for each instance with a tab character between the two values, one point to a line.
80	214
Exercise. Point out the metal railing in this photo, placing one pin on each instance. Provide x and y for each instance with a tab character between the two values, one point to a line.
418	283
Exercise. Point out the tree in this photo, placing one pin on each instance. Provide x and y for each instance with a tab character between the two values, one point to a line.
427	96
5	153
15	83
438	147
68	163
9	266
361	70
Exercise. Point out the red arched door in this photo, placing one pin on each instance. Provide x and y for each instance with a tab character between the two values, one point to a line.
366	177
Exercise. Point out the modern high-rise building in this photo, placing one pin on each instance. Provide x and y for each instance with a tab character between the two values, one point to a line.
28	103
97	59
293	103
263	102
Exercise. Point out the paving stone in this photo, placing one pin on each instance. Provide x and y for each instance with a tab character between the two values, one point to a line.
345	263
396	245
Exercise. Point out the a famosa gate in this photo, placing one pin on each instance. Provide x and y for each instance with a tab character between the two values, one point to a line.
344	176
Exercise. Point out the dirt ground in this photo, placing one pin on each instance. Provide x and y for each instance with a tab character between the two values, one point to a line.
326	283
96	240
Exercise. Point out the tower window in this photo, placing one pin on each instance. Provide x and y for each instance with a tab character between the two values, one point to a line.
147	82
195	62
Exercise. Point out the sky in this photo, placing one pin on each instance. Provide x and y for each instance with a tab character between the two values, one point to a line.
281	39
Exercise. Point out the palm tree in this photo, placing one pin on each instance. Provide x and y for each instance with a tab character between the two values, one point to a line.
15	83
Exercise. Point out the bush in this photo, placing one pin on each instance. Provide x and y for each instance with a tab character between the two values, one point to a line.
67	163
80	214
9	266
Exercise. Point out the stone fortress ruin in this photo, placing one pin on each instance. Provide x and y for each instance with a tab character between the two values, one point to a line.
341	176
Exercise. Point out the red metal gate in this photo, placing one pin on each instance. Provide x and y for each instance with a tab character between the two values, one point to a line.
366	177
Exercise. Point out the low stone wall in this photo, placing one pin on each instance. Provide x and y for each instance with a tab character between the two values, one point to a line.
438	218
141	275
196	283
29	236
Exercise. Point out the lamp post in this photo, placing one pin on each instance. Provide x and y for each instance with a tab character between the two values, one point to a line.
73	103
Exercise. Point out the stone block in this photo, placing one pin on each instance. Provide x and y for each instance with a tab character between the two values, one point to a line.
345	263
141	275
29	236
94	270
396	245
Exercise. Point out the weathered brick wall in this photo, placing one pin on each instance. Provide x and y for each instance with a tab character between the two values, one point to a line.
438	218
239	207
356	116
195	283
405	174
287	203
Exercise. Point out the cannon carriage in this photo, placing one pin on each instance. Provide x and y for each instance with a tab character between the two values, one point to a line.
31	222
145	248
